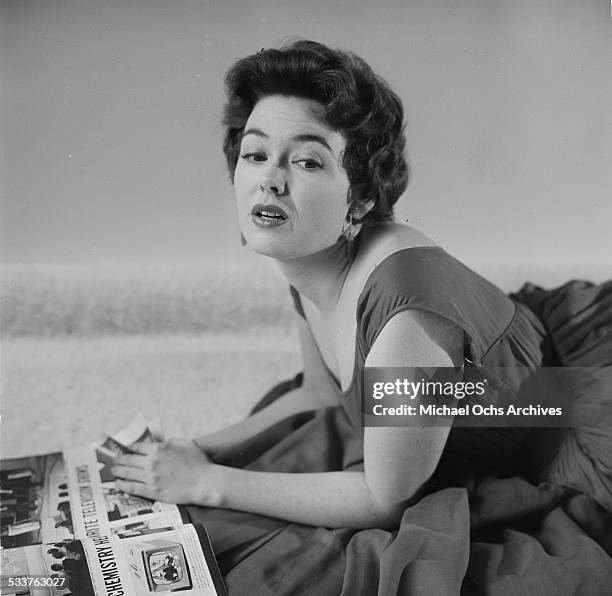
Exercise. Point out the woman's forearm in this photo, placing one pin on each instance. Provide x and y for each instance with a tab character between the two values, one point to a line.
330	499
293	402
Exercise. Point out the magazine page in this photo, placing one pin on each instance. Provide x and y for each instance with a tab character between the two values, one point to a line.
97	503
57	568
175	559
138	431
152	522
163	561
35	500
48	498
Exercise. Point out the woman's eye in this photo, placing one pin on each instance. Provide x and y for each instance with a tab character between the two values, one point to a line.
309	164
253	157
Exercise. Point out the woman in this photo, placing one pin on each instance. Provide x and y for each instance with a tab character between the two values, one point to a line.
315	147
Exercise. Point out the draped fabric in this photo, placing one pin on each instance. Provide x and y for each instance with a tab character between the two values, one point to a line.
489	524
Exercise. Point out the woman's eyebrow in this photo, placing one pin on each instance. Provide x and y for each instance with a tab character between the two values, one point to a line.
305	138
254	131
302	138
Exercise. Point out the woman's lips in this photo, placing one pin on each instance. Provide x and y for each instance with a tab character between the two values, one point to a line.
266	216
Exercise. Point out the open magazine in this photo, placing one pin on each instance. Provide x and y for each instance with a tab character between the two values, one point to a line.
66	529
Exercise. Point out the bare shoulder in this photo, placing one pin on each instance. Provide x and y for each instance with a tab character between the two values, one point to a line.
379	243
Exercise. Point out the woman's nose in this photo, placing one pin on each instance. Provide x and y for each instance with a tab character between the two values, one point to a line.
273	180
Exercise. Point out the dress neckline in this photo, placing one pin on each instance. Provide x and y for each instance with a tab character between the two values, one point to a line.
345	392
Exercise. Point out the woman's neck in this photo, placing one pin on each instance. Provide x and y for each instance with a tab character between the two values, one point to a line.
320	276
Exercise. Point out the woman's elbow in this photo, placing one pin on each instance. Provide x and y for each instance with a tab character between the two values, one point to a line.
387	509
391	502
389	517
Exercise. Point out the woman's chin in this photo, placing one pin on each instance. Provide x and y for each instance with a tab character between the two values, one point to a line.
268	248
271	243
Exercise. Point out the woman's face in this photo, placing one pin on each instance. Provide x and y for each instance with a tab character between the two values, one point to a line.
291	190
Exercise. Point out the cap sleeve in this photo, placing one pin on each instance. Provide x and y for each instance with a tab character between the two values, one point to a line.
430	280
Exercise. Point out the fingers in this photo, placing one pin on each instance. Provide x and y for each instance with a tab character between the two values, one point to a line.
135	488
144	448
129	473
134	461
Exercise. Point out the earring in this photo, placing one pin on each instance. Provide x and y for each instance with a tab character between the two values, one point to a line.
351	225
350	231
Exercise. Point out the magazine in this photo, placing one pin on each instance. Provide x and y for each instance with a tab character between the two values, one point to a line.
66	528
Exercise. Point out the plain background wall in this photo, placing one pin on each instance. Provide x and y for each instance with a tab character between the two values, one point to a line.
111	122
110	142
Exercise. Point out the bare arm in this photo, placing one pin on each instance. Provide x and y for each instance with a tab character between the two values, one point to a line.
398	462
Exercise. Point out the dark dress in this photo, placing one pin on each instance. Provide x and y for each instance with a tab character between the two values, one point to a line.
509	510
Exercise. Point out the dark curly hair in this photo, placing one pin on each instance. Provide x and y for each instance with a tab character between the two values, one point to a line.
358	103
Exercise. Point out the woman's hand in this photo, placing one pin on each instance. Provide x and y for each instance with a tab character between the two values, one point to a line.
176	471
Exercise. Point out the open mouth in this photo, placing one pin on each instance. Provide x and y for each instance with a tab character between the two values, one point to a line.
268	215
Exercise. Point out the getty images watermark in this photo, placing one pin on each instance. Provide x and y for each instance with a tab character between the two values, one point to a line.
474	396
